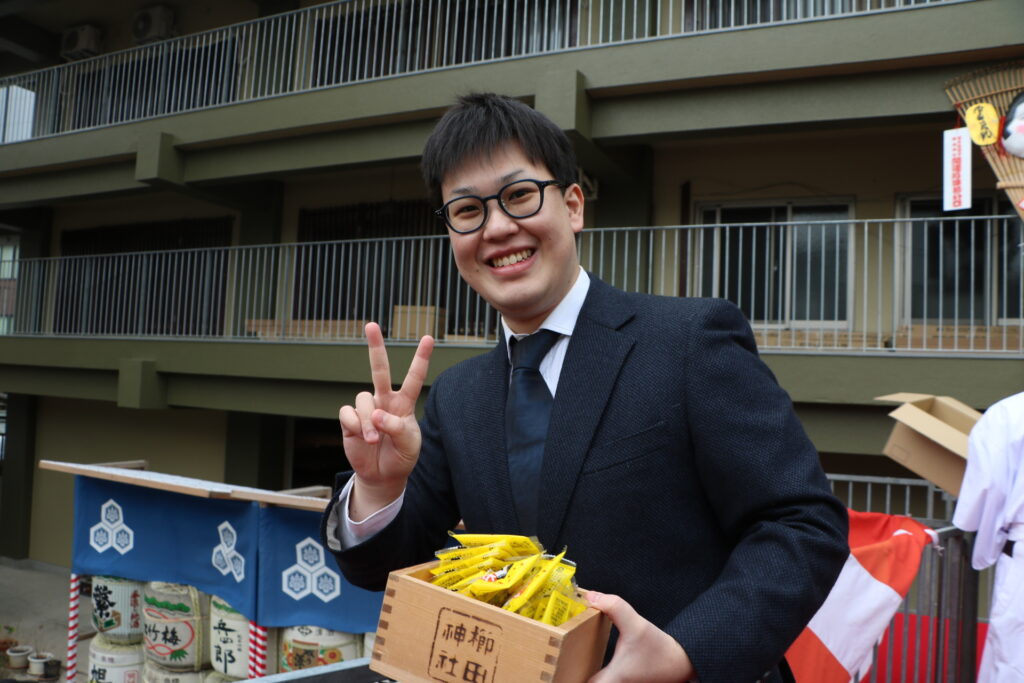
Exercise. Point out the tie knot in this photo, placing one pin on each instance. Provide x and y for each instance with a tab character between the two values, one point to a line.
529	351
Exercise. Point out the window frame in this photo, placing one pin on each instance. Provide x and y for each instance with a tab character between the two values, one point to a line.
903	242
788	321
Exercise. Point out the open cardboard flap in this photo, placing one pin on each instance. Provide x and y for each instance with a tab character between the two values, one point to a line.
930	436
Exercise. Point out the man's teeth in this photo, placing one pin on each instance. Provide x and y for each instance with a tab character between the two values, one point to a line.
512	258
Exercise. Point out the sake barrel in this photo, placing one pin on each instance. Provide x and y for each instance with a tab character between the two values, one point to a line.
176	623
229	639
117	609
303	647
368	640
154	673
113	662
218	677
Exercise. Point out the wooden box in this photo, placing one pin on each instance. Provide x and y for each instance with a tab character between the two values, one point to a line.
428	634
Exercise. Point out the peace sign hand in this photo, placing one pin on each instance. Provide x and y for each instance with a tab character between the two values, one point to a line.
381	436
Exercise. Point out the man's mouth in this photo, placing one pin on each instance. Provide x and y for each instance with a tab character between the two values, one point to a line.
510	259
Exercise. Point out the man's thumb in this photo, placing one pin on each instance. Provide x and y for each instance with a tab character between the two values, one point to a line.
618	610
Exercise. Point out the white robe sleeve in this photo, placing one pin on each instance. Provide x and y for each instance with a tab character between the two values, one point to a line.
988	482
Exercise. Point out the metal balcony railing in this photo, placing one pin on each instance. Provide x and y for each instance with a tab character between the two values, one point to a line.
361	40
884	286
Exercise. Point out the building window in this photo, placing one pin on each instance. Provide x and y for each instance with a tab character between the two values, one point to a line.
17	113
3	429
8	282
783	265
369	276
144	279
963	269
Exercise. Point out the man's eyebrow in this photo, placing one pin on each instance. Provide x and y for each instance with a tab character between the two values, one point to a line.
505	179
509	177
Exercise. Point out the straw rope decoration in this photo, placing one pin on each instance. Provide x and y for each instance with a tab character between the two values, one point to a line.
75	592
999	86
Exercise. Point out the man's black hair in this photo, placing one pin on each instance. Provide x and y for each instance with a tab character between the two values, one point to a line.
480	123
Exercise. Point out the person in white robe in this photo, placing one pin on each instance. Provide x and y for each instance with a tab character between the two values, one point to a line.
991	503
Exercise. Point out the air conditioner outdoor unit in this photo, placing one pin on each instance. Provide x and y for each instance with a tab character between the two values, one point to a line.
153	23
79	42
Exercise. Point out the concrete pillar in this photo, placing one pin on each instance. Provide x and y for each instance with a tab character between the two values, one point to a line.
16	473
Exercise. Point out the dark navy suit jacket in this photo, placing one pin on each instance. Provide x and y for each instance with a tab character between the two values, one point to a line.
675	472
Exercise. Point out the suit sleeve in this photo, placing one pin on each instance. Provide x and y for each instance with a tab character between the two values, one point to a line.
420	528
769	494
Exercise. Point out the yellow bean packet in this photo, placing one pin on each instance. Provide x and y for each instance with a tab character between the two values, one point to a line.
510	572
499	551
560	609
520	545
493	565
533	584
564	573
450	555
537	602
455	579
495	599
506	578
450	579
560	581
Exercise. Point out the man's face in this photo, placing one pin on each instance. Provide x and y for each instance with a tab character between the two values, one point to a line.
538	253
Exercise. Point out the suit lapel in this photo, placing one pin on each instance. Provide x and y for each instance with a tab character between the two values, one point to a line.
484	438
593	360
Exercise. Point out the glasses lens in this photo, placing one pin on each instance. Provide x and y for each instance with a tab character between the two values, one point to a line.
521	199
465	214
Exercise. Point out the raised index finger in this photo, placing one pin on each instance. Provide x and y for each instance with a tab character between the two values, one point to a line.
418	369
379	368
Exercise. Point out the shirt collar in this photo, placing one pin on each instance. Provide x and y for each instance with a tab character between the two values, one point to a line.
563	318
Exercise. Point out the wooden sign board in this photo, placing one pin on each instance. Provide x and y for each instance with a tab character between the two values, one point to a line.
201	488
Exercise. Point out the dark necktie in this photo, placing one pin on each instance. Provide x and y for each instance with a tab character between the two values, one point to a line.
527	414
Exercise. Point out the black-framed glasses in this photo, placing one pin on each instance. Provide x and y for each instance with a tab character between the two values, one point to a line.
519	199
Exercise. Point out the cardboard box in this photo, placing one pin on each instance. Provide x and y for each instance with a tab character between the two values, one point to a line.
413	322
930	437
428	634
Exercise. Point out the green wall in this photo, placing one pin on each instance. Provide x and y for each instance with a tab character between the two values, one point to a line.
184	442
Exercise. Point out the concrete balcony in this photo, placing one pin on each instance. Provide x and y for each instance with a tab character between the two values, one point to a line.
921	286
350	42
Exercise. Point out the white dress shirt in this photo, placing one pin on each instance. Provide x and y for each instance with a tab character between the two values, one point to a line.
343	533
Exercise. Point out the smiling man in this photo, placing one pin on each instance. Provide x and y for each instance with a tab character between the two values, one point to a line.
642	433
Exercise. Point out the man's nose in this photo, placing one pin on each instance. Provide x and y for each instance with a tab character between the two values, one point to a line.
497	224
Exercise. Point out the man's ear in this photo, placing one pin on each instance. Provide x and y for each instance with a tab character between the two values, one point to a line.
573	197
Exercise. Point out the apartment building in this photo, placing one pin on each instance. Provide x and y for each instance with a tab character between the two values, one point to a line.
201	203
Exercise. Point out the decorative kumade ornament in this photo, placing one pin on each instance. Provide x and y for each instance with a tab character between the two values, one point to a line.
981	96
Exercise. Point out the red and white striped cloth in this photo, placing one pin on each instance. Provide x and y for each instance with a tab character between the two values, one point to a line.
257	650
73	602
885	554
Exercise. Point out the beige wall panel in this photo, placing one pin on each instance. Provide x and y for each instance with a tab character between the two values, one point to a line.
871	166
158	206
184	442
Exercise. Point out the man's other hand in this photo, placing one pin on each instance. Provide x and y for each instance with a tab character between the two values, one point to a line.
644	653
